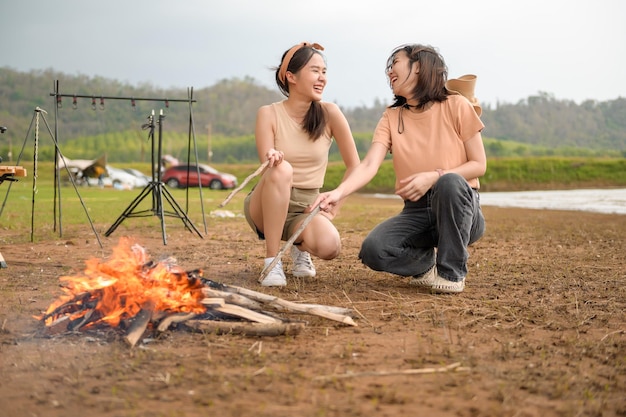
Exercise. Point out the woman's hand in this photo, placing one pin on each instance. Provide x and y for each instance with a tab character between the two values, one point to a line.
275	157
414	187
328	203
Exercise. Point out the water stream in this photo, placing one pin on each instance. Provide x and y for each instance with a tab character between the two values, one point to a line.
611	201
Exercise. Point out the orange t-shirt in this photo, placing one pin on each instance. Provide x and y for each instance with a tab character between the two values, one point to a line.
432	139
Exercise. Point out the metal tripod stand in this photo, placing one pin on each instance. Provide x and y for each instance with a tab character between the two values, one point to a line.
155	188
40	113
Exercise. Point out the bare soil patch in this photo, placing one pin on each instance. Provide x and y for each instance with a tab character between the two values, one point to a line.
539	331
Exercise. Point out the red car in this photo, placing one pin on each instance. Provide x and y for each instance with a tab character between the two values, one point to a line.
183	176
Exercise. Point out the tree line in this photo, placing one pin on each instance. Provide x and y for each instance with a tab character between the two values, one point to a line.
217	122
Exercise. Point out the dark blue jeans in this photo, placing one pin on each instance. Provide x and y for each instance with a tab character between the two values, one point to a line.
447	218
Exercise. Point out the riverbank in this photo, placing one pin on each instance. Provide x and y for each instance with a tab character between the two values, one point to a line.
609	201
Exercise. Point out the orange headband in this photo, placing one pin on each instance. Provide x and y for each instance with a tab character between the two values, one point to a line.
283	65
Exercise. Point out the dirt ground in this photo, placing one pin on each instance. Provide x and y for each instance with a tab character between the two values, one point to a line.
539	331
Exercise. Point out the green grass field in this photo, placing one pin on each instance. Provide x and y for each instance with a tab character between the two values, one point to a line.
34	203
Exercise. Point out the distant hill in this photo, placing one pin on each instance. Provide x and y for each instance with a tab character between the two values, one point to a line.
228	109
543	120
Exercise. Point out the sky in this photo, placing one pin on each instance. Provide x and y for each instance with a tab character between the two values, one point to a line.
570	49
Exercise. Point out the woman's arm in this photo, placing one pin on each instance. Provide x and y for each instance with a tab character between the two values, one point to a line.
264	133
365	171
340	130
358	177
476	164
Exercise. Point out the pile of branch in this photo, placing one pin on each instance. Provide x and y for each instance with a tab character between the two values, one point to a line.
228	310
261	308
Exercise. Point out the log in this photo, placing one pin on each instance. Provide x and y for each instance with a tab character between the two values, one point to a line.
57	326
238	299
139	324
76	325
174	318
291	306
76	303
213	301
219	304
454	367
330	309
244	329
232	298
251	315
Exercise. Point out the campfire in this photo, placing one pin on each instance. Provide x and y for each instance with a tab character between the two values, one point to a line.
134	295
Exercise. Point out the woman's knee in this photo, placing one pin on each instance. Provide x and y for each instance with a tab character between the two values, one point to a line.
322	239
281	172
328	247
452	187
370	253
451	182
329	250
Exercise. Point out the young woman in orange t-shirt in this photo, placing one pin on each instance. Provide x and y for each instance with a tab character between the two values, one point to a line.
434	137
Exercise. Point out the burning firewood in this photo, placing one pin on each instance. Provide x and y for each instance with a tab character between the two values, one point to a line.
139	325
133	295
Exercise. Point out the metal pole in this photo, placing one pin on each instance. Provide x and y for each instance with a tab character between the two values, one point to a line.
57	180
59	95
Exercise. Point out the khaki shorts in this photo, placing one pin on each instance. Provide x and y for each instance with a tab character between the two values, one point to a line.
299	200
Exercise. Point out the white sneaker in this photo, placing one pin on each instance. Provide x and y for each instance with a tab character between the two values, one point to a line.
302	265
275	277
443	286
426	280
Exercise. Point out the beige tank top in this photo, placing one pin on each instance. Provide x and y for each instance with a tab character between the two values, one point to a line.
308	158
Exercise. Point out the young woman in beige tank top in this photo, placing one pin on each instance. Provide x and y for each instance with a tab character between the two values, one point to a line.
295	135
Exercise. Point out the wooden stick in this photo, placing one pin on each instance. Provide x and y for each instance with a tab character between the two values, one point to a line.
57	326
251	315
139	324
246	329
454	367
238	299
613	332
275	301
245	182
69	306
288	244
232	298
174	318
76	325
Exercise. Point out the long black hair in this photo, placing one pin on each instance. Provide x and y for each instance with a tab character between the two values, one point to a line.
314	122
433	73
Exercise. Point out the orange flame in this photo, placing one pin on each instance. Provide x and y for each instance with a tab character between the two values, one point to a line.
118	288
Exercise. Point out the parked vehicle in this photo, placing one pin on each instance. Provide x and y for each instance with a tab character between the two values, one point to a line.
142	179
124	180
183	176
